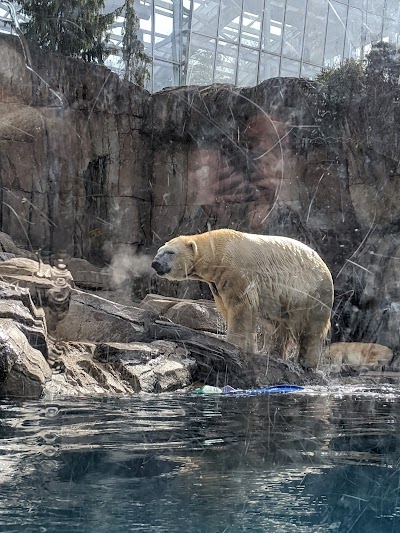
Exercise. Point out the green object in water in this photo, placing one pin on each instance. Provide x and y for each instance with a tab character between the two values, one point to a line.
208	389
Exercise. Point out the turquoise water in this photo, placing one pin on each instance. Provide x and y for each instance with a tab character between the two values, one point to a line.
300	462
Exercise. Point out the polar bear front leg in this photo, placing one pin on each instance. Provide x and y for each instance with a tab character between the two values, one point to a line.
241	329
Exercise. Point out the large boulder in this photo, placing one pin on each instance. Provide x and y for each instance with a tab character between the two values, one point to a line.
50	287
24	371
87	275
196	314
92	318
159	366
77	373
9	249
23	344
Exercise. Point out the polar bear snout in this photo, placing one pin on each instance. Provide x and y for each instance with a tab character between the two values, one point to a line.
163	262
160	266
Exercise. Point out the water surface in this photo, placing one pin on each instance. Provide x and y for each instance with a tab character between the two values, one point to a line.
319	460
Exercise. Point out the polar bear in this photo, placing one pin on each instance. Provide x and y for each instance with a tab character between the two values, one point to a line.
256	279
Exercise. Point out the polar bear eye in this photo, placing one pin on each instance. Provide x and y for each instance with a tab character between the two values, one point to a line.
169	252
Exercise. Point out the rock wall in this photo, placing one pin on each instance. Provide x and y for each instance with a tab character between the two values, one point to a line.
96	167
73	162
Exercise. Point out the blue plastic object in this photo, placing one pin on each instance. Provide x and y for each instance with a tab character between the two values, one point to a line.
266	390
228	390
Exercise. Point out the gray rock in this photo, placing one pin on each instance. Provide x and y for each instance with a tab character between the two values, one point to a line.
79	374
196	314
9	249
75	213
30	273
16	304
17	311
200	316
4	256
111	352
168	366
93	319
49	287
88	276
157	303
16	292
23	344
24	371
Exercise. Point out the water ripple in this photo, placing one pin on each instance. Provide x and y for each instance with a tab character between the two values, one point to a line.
323	459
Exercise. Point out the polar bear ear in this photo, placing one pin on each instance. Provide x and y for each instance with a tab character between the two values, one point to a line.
193	246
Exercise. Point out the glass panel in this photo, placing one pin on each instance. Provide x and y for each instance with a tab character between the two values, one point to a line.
314	39
393	9
163	25
269	66
391	31
143	12
229	20
290	68
334	47
273	26
201	60
373	29
185	16
5	15
376	6
205	17
294	29
251	22
354	34
163	75
225	65
360	4
309	71
145	32
248	67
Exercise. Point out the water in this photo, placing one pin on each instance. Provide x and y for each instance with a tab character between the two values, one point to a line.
301	462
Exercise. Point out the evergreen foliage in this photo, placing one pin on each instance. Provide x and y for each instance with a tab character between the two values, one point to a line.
362	95
74	28
135	60
78	28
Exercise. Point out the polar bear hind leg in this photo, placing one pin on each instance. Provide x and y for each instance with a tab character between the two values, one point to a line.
312	338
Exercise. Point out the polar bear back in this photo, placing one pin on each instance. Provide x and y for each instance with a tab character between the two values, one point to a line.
283	268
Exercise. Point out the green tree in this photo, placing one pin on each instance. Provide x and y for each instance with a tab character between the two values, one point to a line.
360	93
383	64
342	86
134	58
75	28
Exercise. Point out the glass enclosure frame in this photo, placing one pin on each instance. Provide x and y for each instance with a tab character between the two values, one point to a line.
244	42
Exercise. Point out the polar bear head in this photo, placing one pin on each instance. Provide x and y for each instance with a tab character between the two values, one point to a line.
176	259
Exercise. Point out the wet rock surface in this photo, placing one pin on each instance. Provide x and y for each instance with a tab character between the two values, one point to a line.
159	366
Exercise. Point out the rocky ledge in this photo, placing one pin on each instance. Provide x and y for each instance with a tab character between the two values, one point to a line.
56	339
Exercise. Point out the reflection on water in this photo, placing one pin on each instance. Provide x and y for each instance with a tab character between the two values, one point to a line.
302	462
